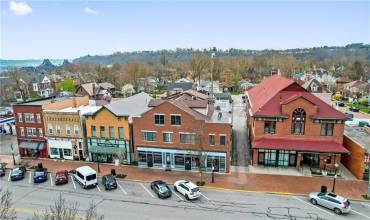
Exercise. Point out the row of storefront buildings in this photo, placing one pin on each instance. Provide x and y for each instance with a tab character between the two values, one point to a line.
181	131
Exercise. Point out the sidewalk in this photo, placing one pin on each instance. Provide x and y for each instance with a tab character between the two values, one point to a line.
266	183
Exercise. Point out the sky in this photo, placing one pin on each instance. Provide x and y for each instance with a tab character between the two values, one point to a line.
70	29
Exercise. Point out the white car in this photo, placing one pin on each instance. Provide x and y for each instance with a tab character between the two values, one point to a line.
187	188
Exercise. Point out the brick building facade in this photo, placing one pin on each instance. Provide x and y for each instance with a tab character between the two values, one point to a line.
289	126
180	130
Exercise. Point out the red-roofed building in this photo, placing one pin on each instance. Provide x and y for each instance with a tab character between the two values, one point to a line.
289	126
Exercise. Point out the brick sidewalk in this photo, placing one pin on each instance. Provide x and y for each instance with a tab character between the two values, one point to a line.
353	189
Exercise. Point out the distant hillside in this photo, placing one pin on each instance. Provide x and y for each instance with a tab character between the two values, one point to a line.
352	51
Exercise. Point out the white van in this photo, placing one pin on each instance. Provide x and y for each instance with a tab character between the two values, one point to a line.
86	176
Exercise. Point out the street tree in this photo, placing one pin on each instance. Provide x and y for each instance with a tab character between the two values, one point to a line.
7	211
20	82
198	64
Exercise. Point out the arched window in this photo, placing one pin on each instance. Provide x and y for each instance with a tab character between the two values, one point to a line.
298	120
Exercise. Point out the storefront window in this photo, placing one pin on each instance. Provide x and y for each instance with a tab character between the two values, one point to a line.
222	164
67	152
283	158
54	151
179	160
270	157
142	157
157	158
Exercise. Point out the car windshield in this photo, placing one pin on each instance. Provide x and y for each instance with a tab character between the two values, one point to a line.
16	171
39	173
91	177
195	190
60	176
162	188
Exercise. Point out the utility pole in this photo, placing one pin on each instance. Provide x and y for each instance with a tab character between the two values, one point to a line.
211	93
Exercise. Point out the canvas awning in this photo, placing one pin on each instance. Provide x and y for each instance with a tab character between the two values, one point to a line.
32	145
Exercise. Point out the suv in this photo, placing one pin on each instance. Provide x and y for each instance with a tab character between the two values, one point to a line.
17	173
331	201
109	182
187	188
40	175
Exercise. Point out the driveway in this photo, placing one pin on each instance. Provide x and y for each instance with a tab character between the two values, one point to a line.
240	148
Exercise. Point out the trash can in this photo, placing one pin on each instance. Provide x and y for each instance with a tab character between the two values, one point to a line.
324	189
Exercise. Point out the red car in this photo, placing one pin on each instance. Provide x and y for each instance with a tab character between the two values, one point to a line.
61	177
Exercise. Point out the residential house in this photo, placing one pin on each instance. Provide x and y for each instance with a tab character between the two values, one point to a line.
42	86
205	86
97	91
29	122
178	87
183	131
109	130
340	81
318	89
65	131
288	126
357	142
351	89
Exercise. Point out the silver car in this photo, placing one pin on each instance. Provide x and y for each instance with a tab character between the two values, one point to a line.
331	201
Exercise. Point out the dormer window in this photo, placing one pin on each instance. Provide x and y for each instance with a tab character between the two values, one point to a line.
298	121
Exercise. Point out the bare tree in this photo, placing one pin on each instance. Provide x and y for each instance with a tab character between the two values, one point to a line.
63	210
20	82
198	63
7	211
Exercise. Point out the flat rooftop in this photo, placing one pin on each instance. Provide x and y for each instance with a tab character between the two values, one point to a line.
45	101
83	109
360	135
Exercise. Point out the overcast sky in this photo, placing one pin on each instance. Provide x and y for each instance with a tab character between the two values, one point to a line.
70	29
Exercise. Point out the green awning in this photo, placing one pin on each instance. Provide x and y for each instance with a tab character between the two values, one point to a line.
104	150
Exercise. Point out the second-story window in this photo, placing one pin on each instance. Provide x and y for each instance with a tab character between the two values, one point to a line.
76	130
222	140
29	118
270	127
187	138
167	137
175	119
327	129
20	117
111	132
41	133
57	128
120	133
22	131
211	139
50	128
38	116
149	135
68	130
158	119
298	121
93	131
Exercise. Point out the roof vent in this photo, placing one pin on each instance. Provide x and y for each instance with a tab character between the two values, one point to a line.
193	98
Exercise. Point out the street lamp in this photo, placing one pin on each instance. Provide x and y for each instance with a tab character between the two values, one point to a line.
98	159
213	174
335	176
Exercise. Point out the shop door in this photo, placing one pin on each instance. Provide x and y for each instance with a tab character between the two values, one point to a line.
216	164
187	163
168	160
61	153
150	159
81	154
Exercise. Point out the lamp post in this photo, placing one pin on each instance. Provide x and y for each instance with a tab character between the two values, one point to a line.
213	174
98	159
11	147
335	176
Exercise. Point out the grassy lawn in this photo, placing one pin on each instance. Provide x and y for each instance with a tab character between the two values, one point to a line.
235	93
363	108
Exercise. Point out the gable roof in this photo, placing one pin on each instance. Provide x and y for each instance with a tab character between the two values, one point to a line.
267	97
180	85
133	105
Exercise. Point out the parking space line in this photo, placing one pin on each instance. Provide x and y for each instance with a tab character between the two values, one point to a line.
9	176
205	196
74	185
305	202
147	190
29	179
98	188
122	189
365	204
359	213
51	179
173	192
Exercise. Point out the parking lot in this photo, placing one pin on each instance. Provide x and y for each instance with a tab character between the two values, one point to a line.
136	197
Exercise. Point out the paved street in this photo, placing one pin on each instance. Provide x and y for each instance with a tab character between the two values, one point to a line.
241	154
135	200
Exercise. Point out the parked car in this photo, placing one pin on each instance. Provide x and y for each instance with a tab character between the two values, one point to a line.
341	104
331	201
349	115
17	173
40	175
354	109
2	169
86	176
187	189
61	177
161	189
109	182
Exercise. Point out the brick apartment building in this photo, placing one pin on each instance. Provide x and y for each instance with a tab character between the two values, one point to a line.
289	126
29	122
180	130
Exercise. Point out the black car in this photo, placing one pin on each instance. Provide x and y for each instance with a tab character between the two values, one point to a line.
40	175
341	104
354	109
161	189
109	182
2	169
18	173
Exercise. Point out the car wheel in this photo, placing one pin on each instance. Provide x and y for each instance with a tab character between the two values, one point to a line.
151	186
175	189
187	197
313	201
337	211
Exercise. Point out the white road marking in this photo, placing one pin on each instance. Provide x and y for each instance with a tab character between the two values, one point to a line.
173	192
305	202
98	188
205	196
365	204
147	190
122	189
29	179
51	179
74	185
363	215
9	176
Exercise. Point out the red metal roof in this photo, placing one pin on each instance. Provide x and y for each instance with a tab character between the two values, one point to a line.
321	146
267	97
